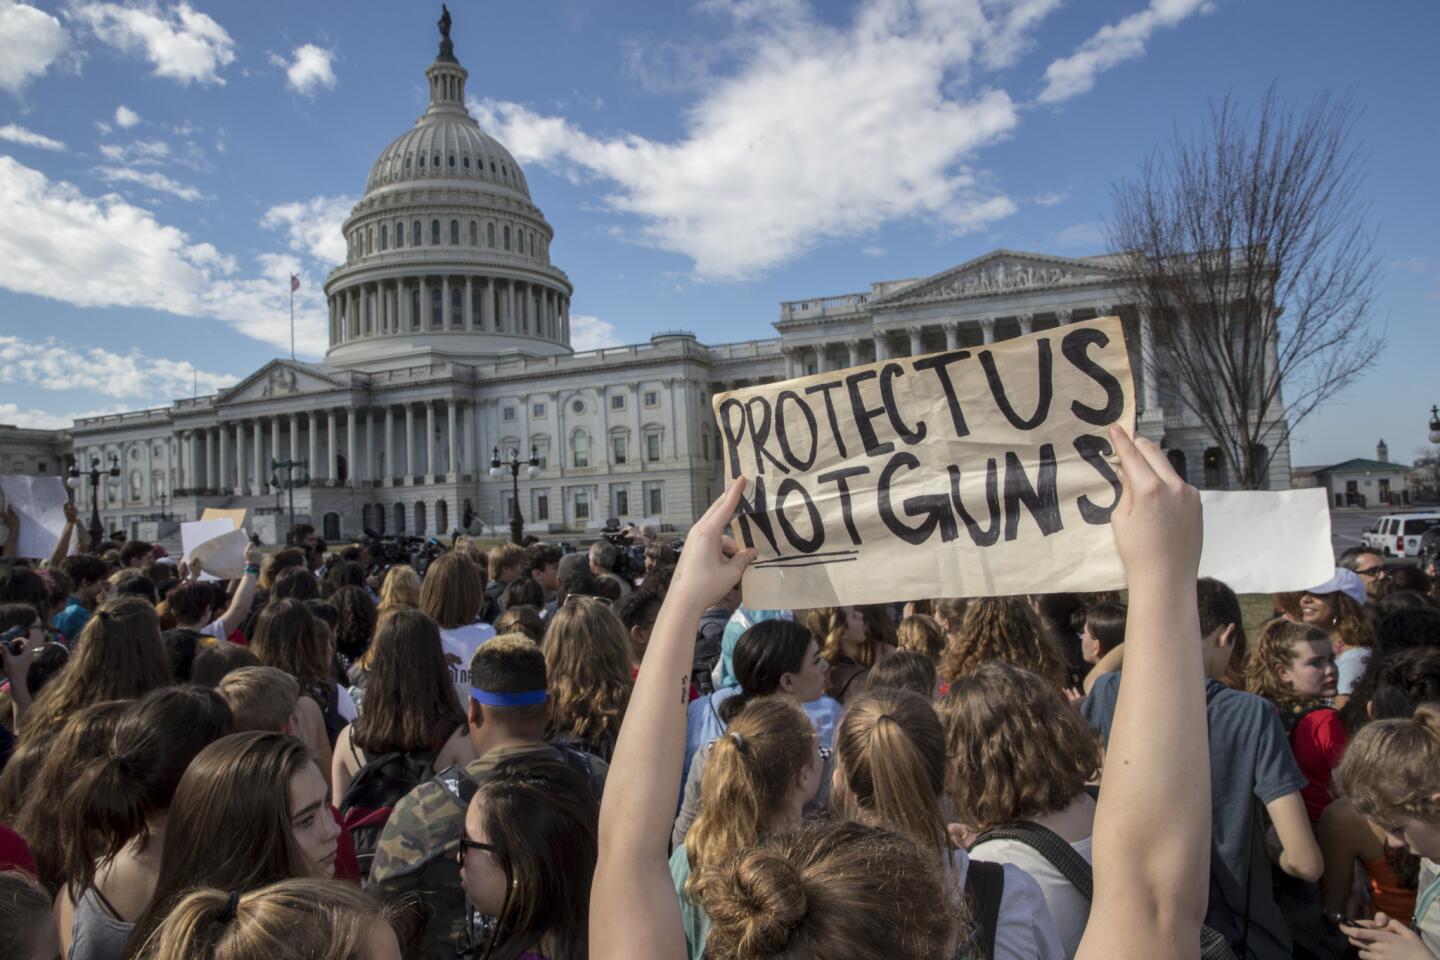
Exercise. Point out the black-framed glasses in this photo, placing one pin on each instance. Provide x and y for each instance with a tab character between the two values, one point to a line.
467	844
1372	572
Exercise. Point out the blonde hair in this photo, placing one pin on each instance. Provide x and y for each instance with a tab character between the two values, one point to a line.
289	920
1017	750
260	698
891	751
1391	769
1000	628
453	591
400	589
1274	651
842	891
587	665
504	555
747	775
921	633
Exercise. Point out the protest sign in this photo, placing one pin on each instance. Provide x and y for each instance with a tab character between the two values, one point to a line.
39	503
1267	541
236	517
222	558
980	471
197	533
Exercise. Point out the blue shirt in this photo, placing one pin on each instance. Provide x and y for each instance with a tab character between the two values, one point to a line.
72	619
703	723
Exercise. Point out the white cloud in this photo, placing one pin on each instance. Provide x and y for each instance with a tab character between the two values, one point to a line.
18	416
30	40
126	117
182	43
310	69
1052	199
149	179
28	138
588	332
818	133
313	226
102	251
54	364
1412	264
1113	44
140	153
873	251
1090	235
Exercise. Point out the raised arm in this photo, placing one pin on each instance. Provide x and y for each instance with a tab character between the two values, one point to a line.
633	910
62	546
12	533
1152	827
231	619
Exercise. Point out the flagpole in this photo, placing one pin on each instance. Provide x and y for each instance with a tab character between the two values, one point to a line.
292	319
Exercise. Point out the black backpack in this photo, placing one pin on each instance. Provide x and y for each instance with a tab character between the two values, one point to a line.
1076	871
984	889
372	795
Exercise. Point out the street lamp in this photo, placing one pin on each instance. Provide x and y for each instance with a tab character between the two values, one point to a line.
1435	424
289	483
161	498
77	480
517	524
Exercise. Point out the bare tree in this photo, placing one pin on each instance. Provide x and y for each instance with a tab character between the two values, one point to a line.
1425	475
1248	250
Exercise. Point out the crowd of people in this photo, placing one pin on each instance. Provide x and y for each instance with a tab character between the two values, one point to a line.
529	754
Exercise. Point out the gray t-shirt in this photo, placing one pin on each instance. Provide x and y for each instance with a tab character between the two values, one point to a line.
1250	761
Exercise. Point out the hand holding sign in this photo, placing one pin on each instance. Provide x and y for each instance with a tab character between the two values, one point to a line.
711	564
1157	523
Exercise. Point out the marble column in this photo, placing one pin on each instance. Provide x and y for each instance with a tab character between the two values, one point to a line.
467	449
257	466
430	438
487	305
389	458
371	467
295	437
212	467
790	373
916	347
882	352
332	449
222	478
445	319
854	348
453	466
511	321
988	327
1063	317
410	443
402	305
314	443
275	447
1027	324
1149	387
241	488
189	462
351	449
469	304
952	336
425	314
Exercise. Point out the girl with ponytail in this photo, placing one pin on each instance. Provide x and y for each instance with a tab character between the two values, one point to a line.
758	778
112	817
1391	774
890	764
289	920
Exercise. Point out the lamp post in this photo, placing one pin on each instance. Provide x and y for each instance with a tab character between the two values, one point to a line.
96	475
161	498
1435	424
289	483
517	524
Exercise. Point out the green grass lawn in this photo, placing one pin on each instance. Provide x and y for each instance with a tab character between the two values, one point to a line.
1257	609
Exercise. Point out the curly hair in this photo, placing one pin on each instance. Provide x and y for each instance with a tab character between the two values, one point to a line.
1391	769
1017	750
356	627
1000	628
1274	651
587	665
923	634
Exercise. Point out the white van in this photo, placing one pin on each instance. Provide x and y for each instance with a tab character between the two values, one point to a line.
1398	534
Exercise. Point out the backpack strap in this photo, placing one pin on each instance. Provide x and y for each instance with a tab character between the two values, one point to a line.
456	782
984	889
1052	847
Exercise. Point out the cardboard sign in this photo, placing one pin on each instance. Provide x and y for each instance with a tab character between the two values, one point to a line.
981	471
214	541
237	517
39	502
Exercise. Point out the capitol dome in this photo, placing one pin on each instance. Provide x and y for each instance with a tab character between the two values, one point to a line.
447	256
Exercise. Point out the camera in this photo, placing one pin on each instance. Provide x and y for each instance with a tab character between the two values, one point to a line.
11	639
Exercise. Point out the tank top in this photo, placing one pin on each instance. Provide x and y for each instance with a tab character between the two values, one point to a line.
96	934
1389	897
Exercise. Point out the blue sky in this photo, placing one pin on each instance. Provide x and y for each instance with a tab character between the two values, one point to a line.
164	167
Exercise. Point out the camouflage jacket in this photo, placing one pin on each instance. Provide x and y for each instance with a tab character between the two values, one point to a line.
415	857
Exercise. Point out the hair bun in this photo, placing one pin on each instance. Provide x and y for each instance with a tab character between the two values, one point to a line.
755	901
1427	717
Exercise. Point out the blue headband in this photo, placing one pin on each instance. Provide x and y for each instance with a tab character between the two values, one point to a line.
489	698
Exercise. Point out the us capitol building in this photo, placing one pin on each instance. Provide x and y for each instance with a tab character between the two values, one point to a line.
449	336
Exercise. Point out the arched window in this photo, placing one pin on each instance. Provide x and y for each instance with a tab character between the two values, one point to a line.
422	161
507	237
457	305
442	516
490	235
331	523
137	484
452	160
415	234
467	163
437	305
1214	468
437	159
454	233
399	519
379	518
384	237
435	233
420	527
367	516
705	441
580	449
474	234
400	234
1177	460
407	162
369	240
